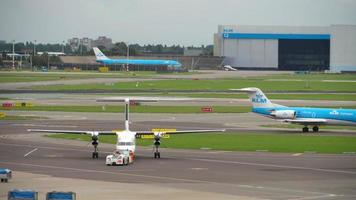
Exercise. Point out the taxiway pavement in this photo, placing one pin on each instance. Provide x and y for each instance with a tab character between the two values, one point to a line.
191	174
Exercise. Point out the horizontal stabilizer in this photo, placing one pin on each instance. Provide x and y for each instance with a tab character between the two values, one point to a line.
245	90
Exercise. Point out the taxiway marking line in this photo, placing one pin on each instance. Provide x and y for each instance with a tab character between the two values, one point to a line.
30	152
244	155
297	154
317	197
248	155
164	178
47	147
211	160
42	125
272	165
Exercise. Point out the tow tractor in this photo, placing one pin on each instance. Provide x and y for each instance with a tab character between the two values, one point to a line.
5	174
120	157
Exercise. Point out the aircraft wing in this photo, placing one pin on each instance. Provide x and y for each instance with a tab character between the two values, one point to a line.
178	131
305	121
73	132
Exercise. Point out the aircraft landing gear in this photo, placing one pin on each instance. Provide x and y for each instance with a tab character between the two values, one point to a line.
157	154
95	153
157	143
95	143
305	129
315	128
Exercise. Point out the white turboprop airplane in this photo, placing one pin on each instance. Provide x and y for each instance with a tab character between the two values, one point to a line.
126	139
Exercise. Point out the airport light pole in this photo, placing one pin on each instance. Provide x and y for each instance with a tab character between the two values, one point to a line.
13	54
34	48
47	61
31	62
63	46
34	53
20	63
127	57
81	46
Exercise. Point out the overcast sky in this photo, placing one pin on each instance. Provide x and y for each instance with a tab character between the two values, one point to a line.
184	22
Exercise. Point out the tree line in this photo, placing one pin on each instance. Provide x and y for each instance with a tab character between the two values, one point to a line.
119	48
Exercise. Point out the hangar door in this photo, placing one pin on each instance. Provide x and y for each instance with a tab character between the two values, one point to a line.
303	54
256	53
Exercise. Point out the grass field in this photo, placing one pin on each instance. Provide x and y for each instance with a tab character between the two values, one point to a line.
304	96
17	117
315	76
292	96
7	77
245	142
140	109
306	83
296	126
137	109
226	95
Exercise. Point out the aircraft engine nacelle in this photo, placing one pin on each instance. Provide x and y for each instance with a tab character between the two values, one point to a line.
284	114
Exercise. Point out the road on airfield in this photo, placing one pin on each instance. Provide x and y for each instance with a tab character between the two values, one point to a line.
250	174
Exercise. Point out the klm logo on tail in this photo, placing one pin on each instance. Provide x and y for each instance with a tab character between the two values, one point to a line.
100	54
259	98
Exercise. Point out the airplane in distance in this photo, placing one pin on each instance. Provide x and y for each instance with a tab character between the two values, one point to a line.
101	58
228	68
299	115
126	139
51	53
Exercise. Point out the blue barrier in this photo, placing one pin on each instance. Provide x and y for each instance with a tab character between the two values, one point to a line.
22	195
60	196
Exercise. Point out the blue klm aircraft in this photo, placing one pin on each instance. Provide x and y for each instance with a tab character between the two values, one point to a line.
299	115
101	58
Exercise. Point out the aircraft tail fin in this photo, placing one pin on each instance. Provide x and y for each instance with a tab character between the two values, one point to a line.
99	55
257	98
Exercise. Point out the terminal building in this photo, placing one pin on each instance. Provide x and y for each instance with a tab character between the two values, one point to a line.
330	48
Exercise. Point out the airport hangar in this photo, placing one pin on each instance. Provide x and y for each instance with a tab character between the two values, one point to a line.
330	48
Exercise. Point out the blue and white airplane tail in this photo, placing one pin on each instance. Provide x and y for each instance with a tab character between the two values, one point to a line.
258	98
99	55
299	115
